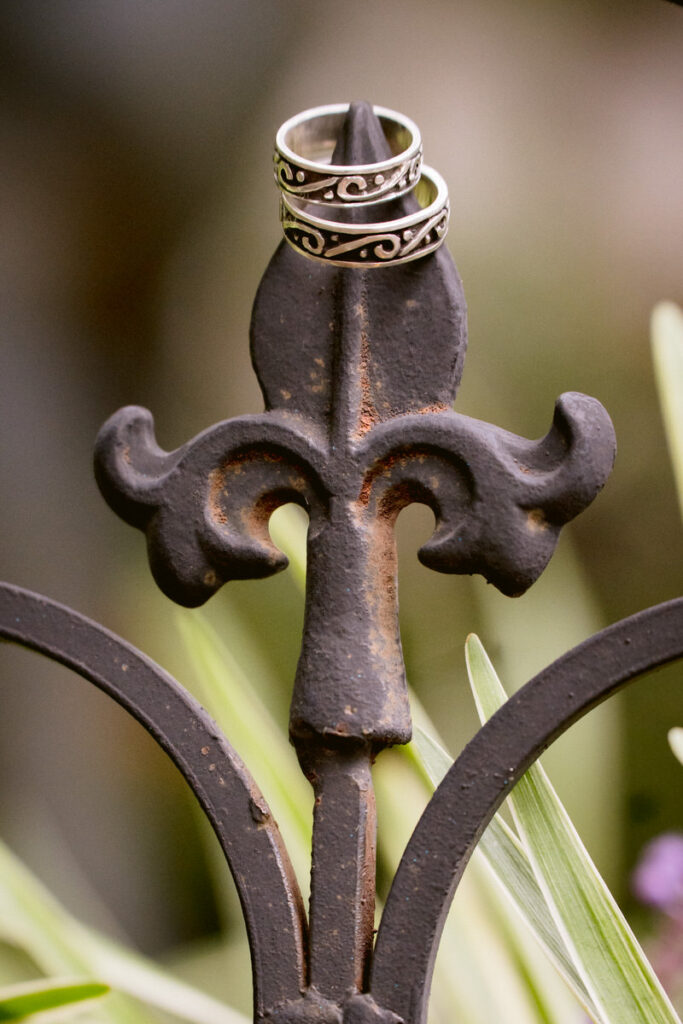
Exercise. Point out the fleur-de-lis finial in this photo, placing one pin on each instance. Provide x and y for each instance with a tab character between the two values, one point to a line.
359	370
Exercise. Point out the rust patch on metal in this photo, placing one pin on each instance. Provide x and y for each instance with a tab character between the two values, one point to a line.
397	493
382	468
255	516
536	521
382	589
259	810
364	493
435	407
253	510
367	413
216	486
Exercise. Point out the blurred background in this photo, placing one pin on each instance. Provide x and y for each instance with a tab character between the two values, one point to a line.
138	213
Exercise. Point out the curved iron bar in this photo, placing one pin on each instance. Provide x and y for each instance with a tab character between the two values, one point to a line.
480	779
269	894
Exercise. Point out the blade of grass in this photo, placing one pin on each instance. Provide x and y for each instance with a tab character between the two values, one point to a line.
34	921
471	950
509	863
675	737
553	1001
287	527
221	684
667	354
594	747
19	1001
606	954
133	974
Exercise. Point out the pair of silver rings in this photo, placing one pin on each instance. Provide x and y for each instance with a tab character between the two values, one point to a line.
304	146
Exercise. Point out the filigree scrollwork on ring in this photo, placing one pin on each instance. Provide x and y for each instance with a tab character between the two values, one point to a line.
304	147
340	189
370	245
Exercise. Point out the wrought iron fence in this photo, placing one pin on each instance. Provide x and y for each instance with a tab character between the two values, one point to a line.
358	339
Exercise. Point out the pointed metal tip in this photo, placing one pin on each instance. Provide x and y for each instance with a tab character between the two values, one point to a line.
361	139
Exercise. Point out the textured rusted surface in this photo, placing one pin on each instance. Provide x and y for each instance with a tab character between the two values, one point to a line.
341	913
359	370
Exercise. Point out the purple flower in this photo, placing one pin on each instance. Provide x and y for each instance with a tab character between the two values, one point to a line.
658	878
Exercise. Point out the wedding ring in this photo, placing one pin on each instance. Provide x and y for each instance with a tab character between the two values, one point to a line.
380	244
304	146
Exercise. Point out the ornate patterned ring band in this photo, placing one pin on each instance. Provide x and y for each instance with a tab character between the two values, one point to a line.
304	146
381	244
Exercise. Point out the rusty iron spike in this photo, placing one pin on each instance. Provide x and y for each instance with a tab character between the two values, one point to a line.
359	370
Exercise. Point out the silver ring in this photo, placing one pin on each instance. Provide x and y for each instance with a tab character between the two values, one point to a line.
304	146
381	244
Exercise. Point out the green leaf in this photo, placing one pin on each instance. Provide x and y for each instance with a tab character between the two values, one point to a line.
667	353
287	527
675	737
34	921
435	760
509	863
475	945
221	683
606	954
19	1001
133	974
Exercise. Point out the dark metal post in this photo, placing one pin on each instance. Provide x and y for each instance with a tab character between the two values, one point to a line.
343	869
